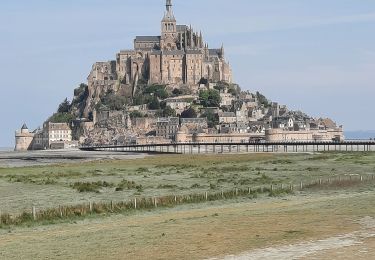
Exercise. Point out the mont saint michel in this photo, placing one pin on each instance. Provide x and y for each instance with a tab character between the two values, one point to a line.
170	88
187	130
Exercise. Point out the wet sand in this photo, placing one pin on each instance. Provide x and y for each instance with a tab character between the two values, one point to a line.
48	157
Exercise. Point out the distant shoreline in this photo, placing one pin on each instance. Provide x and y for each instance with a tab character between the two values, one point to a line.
6	149
362	135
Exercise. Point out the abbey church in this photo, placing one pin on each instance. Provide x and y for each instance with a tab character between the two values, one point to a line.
178	56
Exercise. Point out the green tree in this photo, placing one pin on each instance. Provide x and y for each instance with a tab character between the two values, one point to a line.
114	101
168	111
212	118
156	90
177	92
135	114
210	98
262	99
189	113
64	107
154	104
61	118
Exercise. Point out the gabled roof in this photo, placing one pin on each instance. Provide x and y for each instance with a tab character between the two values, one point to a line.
181	28
24	127
214	52
147	38
173	52
194	52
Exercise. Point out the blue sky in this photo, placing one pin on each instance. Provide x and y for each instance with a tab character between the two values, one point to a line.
313	55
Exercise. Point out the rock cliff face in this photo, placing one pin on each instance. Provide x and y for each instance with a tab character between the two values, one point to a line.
103	79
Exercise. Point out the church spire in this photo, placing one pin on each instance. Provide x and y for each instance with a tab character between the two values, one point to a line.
169	16
169	5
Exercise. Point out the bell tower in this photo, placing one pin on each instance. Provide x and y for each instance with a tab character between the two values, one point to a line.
168	28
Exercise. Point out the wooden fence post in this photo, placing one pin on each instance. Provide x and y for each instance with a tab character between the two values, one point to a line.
34	212
155	203
90	205
206	195
301	186
135	203
175	199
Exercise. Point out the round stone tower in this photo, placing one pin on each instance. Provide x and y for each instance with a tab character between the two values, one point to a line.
24	139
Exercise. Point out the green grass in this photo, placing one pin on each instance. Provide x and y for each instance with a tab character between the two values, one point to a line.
72	184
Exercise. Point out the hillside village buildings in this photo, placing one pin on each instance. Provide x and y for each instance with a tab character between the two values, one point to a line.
181	63
52	136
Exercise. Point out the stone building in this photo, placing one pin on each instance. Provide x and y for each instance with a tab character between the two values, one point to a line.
283	135
52	136
167	127
177	57
24	139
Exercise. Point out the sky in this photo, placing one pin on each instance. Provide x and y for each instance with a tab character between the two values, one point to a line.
316	56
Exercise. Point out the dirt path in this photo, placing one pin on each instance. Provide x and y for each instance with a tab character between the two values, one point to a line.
319	249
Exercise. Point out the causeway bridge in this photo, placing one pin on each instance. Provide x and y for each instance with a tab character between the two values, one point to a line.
251	147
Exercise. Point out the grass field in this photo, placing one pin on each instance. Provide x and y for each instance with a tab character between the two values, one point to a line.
192	231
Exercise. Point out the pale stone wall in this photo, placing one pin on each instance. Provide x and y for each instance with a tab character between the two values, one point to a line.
280	135
23	140
182	137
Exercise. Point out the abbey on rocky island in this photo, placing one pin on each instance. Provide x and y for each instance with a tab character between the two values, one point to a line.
179	56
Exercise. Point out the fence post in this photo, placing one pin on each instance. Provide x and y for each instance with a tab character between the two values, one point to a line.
249	190
155	203
90	205
206	195
175	199
34	212
135	203
361	178
236	192
291	187
222	194
111	205
271	188
60	211
301	185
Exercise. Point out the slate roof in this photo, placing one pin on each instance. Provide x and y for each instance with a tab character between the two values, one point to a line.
174	52
181	28
147	38
214	52
193	52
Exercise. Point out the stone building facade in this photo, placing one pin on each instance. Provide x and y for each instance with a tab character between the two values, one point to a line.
52	136
24	139
178	56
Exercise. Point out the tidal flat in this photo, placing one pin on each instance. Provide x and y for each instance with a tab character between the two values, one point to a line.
209	230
